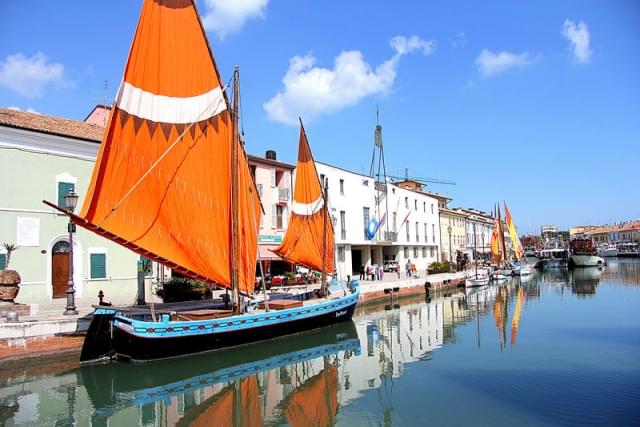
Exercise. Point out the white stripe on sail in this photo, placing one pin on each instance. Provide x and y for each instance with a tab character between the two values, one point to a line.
307	209
167	109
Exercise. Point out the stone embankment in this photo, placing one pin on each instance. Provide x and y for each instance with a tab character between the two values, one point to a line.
46	335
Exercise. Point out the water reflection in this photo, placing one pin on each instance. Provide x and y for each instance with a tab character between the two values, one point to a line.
324	377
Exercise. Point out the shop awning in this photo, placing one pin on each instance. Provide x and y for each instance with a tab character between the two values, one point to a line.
266	254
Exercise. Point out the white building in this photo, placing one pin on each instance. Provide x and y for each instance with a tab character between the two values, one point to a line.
409	230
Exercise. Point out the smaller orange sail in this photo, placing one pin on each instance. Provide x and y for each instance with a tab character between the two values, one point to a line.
309	240
495	242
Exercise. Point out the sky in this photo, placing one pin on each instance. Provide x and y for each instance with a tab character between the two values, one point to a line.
532	103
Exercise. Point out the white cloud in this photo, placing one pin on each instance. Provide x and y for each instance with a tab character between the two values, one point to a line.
579	39
28	110
490	63
30	76
460	40
311	91
224	17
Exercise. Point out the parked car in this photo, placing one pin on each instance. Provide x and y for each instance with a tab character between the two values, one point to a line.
390	266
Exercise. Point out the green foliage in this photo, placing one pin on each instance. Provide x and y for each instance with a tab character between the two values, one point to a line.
184	289
439	267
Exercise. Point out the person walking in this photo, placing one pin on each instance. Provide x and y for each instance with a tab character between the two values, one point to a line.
361	272
408	268
381	272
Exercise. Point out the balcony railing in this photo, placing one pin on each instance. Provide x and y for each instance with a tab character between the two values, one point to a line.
283	194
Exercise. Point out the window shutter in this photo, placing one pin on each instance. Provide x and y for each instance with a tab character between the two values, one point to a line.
63	190
98	266
273	215
3	261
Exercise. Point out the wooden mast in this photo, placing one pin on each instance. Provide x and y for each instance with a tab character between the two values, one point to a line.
323	285
501	231
234	195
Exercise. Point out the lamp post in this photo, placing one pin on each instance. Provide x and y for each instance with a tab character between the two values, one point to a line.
450	253
71	200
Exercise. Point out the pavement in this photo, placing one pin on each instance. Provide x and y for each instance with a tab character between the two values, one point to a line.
50	331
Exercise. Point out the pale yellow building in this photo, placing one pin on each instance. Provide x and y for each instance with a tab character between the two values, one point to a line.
452	233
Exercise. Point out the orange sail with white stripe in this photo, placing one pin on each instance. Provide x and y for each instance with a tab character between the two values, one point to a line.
309	240
162	180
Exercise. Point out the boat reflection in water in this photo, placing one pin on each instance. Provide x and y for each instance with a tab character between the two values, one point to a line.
249	385
585	280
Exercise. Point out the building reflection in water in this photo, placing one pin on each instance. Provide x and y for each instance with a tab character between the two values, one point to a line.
303	379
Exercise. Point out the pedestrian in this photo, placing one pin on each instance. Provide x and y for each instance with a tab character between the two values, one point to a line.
398	270
381	273
361	272
408	268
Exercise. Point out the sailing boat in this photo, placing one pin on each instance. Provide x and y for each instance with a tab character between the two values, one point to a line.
477	279
172	183
521	268
498	249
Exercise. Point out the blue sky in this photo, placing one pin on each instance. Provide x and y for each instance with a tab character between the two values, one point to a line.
534	103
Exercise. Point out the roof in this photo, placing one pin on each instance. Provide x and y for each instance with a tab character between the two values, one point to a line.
258	159
51	125
622	227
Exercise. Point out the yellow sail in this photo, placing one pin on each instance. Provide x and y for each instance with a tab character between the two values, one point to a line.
513	233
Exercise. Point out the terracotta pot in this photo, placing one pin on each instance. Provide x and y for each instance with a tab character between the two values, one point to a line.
9	285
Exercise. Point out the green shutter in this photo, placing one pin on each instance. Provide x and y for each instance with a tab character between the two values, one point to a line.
3	261
98	266
146	265
63	190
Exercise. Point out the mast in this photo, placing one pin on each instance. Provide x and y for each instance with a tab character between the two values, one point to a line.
323	280
501	231
475	252
234	195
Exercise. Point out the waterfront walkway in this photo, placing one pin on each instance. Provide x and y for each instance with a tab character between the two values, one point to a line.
50	332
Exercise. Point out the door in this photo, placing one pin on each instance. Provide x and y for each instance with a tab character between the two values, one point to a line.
60	269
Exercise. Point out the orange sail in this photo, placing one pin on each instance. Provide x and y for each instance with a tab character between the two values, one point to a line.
517	248
495	242
316	402
309	239
162	180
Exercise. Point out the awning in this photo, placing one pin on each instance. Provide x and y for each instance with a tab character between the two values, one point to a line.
266	254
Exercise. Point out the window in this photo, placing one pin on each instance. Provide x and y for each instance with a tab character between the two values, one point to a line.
259	189
273	177
415	252
98	265
273	216
342	187
415	204
406	252
322	180
147	266
279	216
343	226
340	253
365	217
424	206
425	233
424	252
431	207
433	233
406	202
408	236
417	235
63	190
395	223
432	251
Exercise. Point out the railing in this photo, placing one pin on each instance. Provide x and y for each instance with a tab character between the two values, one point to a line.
391	236
283	194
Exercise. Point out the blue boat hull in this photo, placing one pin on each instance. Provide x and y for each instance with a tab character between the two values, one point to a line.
114	335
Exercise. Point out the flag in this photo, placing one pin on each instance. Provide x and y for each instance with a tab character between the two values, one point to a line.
406	218
383	220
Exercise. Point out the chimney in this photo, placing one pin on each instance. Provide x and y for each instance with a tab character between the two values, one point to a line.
270	154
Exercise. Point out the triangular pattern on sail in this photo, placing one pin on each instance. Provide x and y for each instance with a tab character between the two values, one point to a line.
310	221
161	184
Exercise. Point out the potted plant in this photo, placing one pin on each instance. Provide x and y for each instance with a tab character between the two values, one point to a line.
9	279
183	289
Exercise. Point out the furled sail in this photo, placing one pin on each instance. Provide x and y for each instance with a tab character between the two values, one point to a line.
310	229
162	180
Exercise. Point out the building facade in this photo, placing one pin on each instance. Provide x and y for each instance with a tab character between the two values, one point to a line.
405	222
42	158
452	233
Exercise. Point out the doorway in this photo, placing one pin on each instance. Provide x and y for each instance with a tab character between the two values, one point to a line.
356	261
60	268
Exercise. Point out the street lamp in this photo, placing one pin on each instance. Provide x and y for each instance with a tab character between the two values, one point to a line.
450	253
70	201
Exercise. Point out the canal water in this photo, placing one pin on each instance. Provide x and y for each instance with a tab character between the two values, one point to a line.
562	348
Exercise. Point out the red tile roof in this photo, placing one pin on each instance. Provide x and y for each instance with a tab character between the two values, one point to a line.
51	125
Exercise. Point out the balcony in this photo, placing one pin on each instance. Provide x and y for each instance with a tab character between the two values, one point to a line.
283	195
391	236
